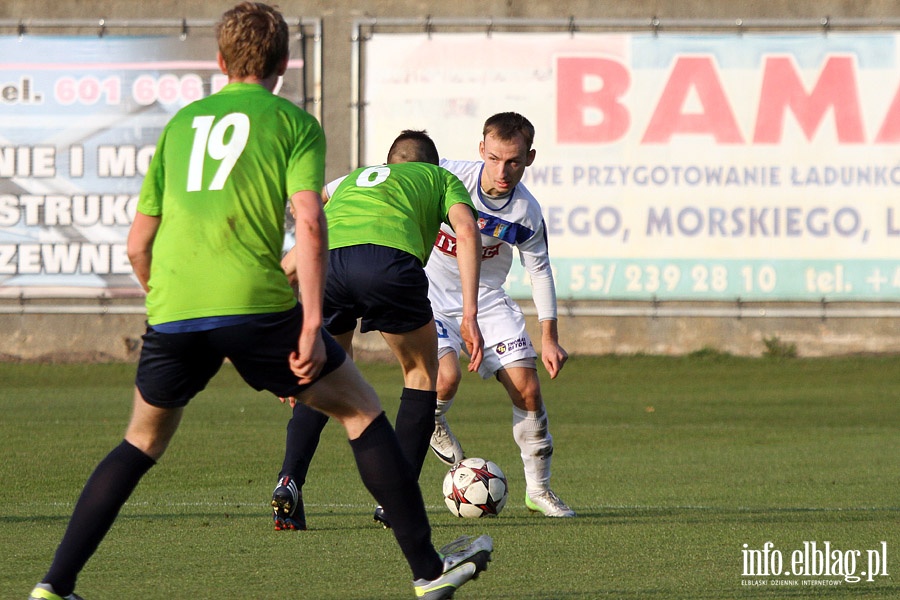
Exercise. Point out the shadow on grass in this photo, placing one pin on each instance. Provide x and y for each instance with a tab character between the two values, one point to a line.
352	520
715	594
703	515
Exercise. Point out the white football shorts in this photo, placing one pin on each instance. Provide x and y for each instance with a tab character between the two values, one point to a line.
502	325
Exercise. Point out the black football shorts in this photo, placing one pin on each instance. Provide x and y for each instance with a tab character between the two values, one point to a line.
385	288
175	367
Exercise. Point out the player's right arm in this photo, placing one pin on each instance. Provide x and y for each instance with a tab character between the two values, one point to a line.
468	257
311	260
140	246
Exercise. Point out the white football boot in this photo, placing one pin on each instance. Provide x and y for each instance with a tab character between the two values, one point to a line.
444	444
547	503
464	559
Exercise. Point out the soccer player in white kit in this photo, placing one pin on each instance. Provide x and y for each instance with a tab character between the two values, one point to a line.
509	216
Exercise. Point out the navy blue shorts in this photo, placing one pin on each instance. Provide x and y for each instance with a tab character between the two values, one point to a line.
384	287
175	367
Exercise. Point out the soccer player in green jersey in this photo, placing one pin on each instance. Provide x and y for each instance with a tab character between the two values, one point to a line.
382	222
206	246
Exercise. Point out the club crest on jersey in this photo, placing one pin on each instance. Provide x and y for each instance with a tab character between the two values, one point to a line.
511	346
493	228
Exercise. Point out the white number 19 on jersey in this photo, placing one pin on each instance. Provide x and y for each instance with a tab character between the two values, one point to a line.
210	141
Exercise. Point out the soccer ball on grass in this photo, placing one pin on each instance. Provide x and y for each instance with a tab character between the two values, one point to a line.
475	487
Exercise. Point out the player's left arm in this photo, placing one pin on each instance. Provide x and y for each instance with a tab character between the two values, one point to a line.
553	355
140	246
536	259
311	261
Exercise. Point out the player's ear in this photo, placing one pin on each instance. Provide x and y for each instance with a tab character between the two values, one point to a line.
481	149
283	65
221	60
530	157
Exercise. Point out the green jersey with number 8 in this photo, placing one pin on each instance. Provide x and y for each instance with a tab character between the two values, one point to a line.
400	205
223	170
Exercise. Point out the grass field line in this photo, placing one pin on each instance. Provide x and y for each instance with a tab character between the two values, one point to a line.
599	507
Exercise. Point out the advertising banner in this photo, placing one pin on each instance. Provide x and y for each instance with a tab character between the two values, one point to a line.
760	166
79	120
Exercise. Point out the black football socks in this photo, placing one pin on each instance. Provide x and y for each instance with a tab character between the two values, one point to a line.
107	489
387	475
415	424
303	432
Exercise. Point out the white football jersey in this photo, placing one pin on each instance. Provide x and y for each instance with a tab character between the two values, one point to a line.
514	221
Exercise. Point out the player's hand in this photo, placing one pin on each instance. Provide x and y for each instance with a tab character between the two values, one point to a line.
554	357
471	335
289	266
290	400
307	362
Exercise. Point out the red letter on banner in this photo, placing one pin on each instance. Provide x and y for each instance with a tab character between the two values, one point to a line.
716	118
782	89
588	110
890	128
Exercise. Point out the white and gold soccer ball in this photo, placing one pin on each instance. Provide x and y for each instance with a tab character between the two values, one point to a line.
475	487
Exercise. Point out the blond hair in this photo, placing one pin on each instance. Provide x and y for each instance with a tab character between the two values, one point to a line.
253	40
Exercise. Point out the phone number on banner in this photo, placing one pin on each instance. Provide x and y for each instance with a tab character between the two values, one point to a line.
143	90
708	279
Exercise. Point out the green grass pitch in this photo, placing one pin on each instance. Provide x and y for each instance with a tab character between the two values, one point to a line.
681	470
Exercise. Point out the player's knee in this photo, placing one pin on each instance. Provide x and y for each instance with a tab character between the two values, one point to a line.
419	383
529	396
449	376
343	394
447	387
153	446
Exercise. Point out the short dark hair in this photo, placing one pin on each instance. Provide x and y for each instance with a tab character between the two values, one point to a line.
507	125
253	39
413	146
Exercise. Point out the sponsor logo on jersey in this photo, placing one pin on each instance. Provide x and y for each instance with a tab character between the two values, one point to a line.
447	244
511	346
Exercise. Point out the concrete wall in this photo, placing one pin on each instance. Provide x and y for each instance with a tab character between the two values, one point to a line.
73	330
89	331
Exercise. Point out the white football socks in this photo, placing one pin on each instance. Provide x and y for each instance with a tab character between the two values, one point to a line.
442	407
532	434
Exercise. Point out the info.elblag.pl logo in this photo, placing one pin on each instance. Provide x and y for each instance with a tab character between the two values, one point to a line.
812	563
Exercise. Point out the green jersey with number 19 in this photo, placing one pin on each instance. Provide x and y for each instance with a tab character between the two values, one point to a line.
219	180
